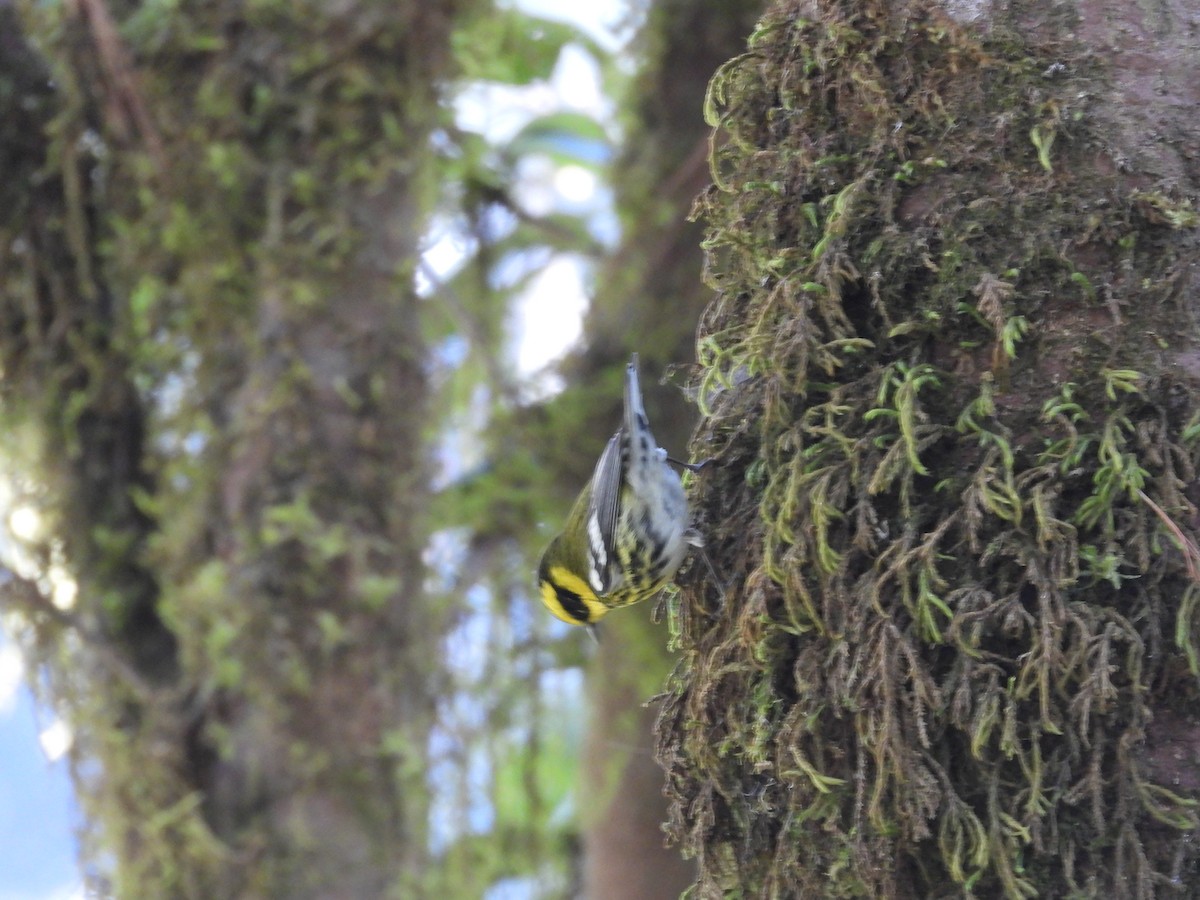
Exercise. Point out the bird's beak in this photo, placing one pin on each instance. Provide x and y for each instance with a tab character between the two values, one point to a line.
594	633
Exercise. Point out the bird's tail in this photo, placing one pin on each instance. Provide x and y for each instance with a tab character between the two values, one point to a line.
633	397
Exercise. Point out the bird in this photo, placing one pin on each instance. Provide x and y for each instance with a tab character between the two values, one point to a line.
629	530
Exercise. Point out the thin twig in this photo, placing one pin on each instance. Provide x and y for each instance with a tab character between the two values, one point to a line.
1191	553
127	111
501	383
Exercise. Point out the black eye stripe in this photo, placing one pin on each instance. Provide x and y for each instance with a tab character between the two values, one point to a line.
572	604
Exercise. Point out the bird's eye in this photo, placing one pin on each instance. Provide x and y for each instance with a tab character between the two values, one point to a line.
572	604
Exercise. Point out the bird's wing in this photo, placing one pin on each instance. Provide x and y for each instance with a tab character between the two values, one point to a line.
603	511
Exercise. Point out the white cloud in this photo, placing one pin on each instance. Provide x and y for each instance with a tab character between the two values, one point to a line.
550	315
12	671
25	522
575	184
56	739
602	19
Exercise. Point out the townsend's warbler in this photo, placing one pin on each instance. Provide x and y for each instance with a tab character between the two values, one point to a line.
627	534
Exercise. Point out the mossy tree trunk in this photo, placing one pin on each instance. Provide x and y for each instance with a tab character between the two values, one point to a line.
649	297
951	386
213	368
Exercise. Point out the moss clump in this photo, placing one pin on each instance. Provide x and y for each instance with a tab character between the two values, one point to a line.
945	384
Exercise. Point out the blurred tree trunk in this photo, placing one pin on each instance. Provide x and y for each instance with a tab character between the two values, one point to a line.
951	382
649	299
212	365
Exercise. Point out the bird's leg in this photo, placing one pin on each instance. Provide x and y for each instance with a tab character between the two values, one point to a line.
691	467
693	538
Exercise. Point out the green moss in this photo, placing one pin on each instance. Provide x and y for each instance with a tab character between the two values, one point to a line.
205	314
940	385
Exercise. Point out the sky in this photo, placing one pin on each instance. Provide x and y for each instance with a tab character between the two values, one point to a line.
38	814
37	809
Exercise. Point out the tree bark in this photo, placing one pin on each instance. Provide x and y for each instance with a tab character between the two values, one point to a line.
950	383
650	295
211	328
